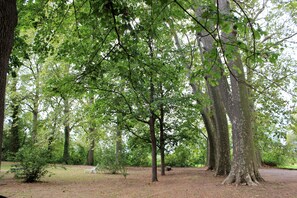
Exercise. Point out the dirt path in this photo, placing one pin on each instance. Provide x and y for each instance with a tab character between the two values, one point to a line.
180	182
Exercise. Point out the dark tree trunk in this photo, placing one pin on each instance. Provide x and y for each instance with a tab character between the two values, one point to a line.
154	148
14	130
153	133
211	142
90	159
162	140
8	21
66	155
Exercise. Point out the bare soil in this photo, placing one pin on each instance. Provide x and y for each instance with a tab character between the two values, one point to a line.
180	182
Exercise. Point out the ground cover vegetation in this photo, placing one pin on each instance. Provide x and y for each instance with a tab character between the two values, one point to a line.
113	83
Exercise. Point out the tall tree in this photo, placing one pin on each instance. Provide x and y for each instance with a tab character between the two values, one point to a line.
8	22
244	166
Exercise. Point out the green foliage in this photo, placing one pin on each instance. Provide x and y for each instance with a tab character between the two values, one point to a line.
275	154
32	164
185	157
139	156
108	163
78	154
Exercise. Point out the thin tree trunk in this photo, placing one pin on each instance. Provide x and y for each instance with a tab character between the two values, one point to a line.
8	21
66	155
153	134
154	147
36	106
152	118
14	130
35	118
162	140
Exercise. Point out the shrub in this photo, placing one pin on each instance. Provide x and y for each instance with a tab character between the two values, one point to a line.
109	164
32	164
180	157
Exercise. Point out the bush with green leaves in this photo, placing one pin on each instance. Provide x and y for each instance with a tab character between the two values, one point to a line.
275	154
109	164
32	164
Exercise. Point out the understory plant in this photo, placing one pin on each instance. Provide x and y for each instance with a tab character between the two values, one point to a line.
32	164
110	164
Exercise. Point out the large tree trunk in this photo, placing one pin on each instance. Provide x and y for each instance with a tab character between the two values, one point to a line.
207	50
244	167
66	155
222	134
8	21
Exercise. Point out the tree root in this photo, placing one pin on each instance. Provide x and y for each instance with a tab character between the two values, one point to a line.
246	179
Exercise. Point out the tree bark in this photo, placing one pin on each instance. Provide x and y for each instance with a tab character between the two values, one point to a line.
244	168
211	142
154	147
153	133
207	52
222	134
8	22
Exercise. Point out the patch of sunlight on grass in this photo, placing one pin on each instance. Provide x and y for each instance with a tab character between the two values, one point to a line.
291	166
71	174
5	166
